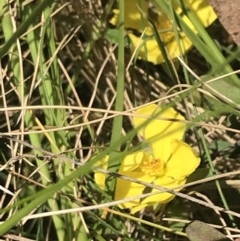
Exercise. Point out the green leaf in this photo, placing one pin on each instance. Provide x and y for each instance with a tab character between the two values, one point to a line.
176	210
225	90
199	174
112	35
220	145
199	231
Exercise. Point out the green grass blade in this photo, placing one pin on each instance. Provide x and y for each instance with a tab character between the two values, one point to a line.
117	122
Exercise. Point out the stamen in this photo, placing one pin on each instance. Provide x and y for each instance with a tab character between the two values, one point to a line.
153	167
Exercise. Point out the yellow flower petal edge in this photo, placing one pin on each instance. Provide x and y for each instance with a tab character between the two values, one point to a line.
135	15
168	129
126	189
163	197
203	10
98	176
189	160
148	49
131	161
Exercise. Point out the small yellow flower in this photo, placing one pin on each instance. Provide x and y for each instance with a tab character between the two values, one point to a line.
136	12
168	165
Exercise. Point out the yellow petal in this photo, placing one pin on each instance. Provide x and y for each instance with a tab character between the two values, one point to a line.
173	49
98	176
125	189
146	49
164	197
183	161
131	162
138	208
159	132
114	19
203	10
161	149
167	128
100	179
149	50
135	16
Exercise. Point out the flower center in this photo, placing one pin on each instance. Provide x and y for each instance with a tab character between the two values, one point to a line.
153	167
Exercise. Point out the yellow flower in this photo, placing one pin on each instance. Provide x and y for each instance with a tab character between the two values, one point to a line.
136	12
168	165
